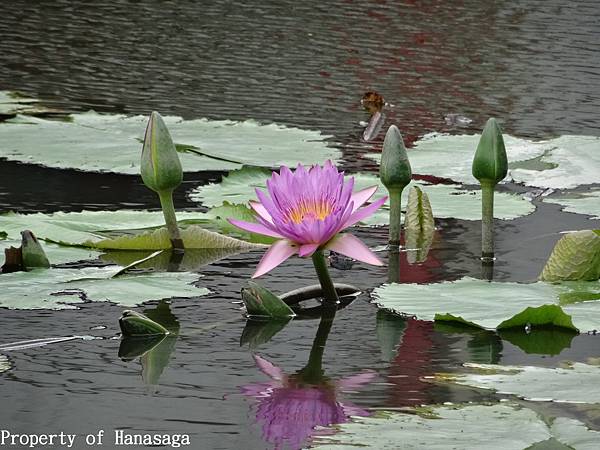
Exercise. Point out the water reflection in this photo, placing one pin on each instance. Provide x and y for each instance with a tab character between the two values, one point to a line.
290	407
154	351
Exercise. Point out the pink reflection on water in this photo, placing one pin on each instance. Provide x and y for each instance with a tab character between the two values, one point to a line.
290	408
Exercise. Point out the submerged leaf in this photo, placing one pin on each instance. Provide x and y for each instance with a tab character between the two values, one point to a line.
111	143
493	304
576	256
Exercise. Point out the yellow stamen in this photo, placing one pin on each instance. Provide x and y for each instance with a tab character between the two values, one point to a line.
315	209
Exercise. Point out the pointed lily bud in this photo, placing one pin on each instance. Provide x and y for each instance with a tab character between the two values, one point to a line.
32	252
490	164
395	174
160	167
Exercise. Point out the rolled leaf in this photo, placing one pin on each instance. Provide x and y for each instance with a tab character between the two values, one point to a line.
490	163
160	166
261	302
576	256
395	171
32	252
419	226
136	324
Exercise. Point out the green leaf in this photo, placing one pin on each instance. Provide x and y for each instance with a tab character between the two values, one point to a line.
194	237
494	305
32	252
569	161
218	217
490	163
61	288
446	200
574	384
465	427
260	302
57	254
576	256
580	203
419	226
133	323
111	143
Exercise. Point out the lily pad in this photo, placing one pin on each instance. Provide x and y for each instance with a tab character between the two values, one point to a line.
574	384
113	143
562	163
499	426
582	203
575	434
446	200
496	305
576	256
60	288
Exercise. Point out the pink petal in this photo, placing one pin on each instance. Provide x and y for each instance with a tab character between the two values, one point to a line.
254	228
277	253
268	368
364	212
360	197
351	246
261	210
307	249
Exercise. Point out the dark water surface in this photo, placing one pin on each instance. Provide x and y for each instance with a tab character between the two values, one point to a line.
536	66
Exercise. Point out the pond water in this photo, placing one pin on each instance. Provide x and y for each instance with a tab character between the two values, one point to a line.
536	67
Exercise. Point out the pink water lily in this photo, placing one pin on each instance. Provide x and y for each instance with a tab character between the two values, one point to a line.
305	210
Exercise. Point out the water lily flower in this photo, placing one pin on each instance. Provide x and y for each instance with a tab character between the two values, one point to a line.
306	210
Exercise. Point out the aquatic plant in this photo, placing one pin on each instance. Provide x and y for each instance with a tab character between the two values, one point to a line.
305	210
395	174
490	166
161	171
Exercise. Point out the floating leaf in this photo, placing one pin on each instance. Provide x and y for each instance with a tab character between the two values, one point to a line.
419	226
112	143
260	302
562	163
446	200
581	203
575	384
59	288
465	427
575	434
495	305
576	256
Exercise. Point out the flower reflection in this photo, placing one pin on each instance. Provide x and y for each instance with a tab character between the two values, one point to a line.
290	407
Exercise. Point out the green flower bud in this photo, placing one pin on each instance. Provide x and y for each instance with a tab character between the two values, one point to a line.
490	164
395	172
160	166
32	252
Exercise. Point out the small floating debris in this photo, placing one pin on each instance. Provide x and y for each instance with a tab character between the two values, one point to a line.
457	120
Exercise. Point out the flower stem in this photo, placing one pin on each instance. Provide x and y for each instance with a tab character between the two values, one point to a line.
395	216
166	201
487	220
329	293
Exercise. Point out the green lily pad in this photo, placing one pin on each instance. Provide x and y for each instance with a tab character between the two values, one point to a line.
61	288
582	203
446	200
465	427
576	256
4	363
496	305
574	384
113	143
562	163
575	434
262	303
